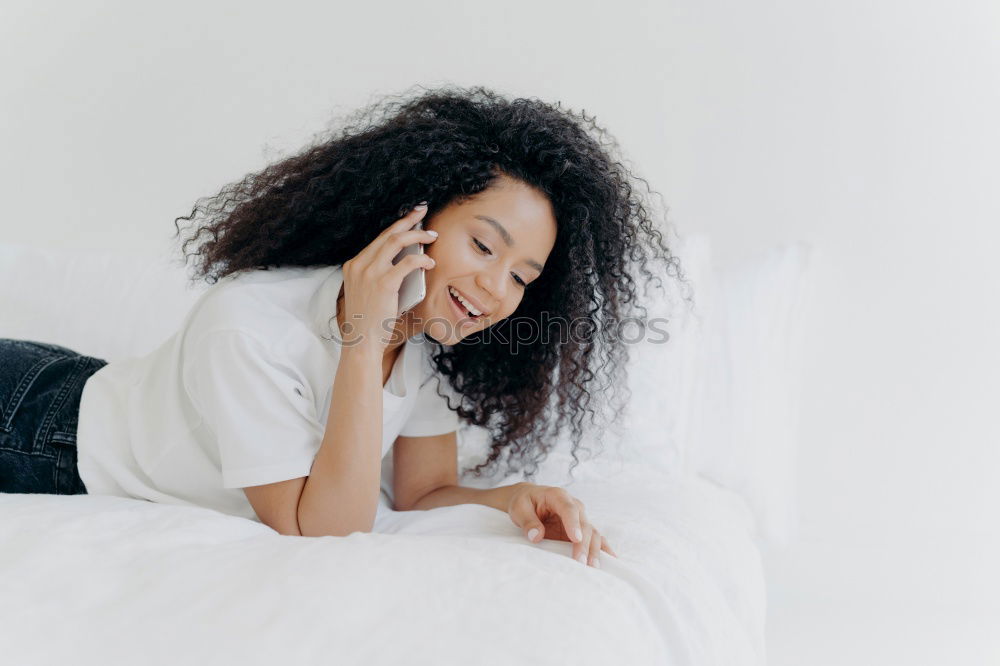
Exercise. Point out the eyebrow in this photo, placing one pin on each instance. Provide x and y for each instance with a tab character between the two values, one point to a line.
505	235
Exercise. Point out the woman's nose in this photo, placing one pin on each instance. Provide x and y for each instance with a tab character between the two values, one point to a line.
495	287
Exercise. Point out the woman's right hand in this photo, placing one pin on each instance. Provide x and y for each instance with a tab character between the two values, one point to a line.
372	282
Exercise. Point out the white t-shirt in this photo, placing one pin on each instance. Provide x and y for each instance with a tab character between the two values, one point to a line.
239	396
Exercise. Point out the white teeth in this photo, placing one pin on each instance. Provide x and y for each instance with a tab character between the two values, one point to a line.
464	302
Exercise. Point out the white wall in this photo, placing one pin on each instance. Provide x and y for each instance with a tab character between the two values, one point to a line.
869	129
865	128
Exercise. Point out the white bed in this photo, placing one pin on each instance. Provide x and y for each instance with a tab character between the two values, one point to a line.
106	580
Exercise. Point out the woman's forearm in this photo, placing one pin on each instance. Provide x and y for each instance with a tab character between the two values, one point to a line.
498	498
341	493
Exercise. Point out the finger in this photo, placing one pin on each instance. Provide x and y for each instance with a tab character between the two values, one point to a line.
394	244
406	210
416	212
569	512
581	548
404	223
523	514
606	547
401	239
405	266
593	556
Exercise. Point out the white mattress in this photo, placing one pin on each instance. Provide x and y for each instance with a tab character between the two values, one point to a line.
107	580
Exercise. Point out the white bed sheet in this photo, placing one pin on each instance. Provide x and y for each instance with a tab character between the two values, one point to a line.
107	580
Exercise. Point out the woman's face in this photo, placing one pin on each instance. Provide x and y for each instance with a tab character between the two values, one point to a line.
486	248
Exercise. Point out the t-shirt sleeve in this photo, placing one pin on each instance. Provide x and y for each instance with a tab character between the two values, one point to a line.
258	407
431	415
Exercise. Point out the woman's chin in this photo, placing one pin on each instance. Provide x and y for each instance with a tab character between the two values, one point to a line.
442	329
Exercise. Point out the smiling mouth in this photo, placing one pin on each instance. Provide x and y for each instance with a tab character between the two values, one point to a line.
461	308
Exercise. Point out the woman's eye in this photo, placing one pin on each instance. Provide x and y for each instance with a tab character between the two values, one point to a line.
486	250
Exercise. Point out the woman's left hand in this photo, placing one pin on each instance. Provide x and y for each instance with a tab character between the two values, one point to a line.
551	512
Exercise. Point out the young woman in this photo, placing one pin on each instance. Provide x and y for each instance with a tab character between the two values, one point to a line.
293	375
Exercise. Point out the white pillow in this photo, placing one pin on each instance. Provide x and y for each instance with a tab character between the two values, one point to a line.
744	435
718	400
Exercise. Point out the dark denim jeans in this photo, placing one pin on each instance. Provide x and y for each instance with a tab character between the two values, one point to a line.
40	388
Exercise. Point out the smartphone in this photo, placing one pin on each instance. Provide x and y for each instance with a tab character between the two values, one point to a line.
413	289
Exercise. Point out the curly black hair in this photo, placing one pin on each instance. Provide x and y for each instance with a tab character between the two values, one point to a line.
323	205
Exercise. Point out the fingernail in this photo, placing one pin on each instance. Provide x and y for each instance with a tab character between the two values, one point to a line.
422	204
432	233
597	563
578	534
532	533
582	559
